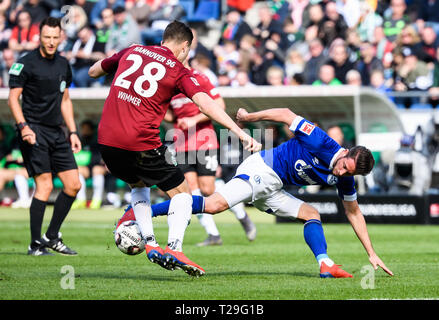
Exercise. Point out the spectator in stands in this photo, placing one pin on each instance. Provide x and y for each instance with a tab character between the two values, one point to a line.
267	25
197	48
259	67
394	24
224	80
353	44
103	32
429	44
163	13
280	9
140	11
333	25
318	58
350	11
87	6
242	80
274	49
226	53
123	33
369	21
327	76
294	64
428	14
7	61
235	27
201	63
353	78
383	46
85	52
25	35
336	133
378	82
339	59
95	15
315	17
411	75
4	6
434	90
5	32
291	33
297	10
368	62
409	38
246	51
275	76
38	10
77	20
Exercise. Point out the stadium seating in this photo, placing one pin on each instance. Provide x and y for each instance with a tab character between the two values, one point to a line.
189	7
206	10
421	106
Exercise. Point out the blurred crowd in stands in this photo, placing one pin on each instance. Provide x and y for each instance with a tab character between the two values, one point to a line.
390	46
387	45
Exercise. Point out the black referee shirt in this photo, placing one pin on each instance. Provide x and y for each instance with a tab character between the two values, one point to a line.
43	82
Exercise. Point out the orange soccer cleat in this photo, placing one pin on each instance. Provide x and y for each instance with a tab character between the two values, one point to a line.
127	216
177	259
333	272
156	255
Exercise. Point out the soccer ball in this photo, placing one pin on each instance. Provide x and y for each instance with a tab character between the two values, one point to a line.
128	238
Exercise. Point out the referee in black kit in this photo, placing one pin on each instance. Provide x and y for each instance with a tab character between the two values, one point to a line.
42	77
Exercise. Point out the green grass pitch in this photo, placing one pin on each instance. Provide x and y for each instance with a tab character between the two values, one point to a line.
278	265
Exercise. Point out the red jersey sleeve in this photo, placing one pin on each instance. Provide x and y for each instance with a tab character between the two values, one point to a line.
188	84
209	88
110	64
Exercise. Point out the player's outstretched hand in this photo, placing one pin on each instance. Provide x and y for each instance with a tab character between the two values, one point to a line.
376	262
241	115
250	144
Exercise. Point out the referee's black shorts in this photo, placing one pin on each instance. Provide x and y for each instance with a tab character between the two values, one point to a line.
52	152
152	167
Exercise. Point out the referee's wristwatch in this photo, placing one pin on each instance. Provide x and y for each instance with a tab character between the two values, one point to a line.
21	125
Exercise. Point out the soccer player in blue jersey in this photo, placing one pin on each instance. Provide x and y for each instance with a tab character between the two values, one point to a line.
311	157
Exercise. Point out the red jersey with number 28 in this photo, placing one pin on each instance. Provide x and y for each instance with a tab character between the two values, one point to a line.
146	79
203	136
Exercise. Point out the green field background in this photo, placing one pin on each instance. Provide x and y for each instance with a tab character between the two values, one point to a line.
278	265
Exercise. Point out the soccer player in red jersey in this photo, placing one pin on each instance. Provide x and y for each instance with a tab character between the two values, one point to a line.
146	78
196	147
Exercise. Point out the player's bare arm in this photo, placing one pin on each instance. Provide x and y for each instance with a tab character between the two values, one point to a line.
208	106
96	70
27	134
186	123
282	115
69	119
358	223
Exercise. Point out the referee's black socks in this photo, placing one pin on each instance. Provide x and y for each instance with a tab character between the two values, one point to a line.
62	206
37	208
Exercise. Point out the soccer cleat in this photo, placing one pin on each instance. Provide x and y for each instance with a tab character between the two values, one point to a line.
249	228
79	204
156	255
211	241
333	272
177	259
58	245
95	204
127	216
36	248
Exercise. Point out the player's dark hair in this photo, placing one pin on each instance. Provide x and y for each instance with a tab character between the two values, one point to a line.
364	160
51	22
179	32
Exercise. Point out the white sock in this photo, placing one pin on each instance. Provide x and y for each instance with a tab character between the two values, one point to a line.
239	211
82	195
98	186
206	220
114	199
327	261
179	216
142	210
22	187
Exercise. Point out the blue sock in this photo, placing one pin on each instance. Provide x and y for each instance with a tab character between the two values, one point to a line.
161	209
315	238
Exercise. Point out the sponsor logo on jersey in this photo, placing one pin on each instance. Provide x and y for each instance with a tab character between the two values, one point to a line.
331	180
195	81
307	128
300	166
62	86
16	69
